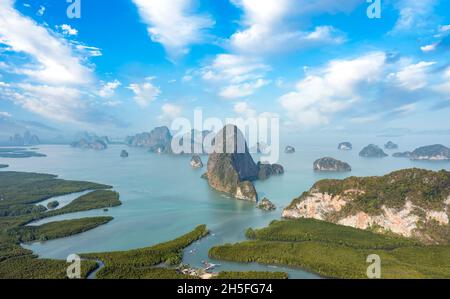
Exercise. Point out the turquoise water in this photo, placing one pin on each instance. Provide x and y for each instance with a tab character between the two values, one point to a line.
163	197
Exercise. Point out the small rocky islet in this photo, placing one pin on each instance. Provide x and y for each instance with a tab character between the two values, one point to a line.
372	151
266	205
329	164
289	149
345	146
124	154
196	161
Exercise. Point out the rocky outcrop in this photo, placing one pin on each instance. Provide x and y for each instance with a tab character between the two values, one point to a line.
196	162
390	145
157	141
267	170
432	152
402	155
331	164
124	154
397	203
231	168
345	146
289	149
372	151
266	205
26	140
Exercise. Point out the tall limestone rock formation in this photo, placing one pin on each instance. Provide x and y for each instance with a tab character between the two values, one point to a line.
231	168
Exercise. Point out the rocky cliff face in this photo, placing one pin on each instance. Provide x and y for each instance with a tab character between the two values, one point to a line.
331	164
412	203
231	169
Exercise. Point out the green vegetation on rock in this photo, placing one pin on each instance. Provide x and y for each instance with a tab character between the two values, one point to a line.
336	251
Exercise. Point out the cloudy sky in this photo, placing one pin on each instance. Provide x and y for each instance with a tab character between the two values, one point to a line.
129	65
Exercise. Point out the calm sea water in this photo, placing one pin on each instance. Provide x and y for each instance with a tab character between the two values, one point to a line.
163	197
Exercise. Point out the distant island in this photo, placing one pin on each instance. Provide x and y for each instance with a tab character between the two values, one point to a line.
331	164
159	141
372	151
345	146
289	149
27	139
91	141
390	145
435	152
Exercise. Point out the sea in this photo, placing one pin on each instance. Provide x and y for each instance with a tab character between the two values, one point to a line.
164	197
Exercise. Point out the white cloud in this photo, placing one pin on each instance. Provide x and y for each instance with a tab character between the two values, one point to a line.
145	93
364	119
170	111
413	76
56	64
444	28
109	88
58	103
5	114
173	24
89	51
332	89
429	48
242	108
267	26
68	30
241	75
444	87
41	11
413	14
242	90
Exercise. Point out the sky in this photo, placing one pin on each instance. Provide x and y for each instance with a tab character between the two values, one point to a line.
126	66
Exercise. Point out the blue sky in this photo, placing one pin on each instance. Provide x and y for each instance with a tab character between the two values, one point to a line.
129	65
